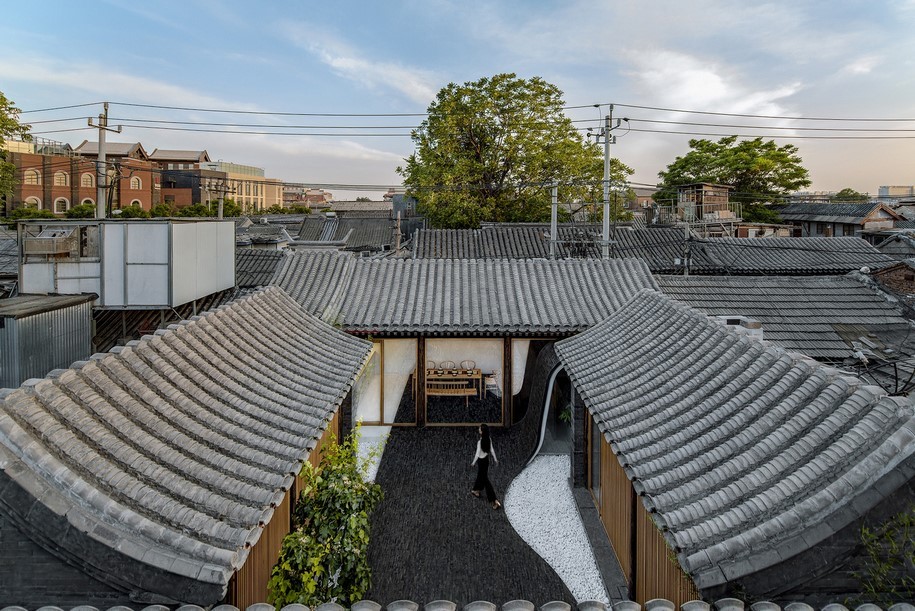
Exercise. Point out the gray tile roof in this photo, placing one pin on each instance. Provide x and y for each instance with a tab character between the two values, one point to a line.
256	267
179	155
174	450
461	297
357	231
745	454
658	246
797	313
830	213
655	604
788	256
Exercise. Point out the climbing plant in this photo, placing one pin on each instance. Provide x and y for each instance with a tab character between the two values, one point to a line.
325	557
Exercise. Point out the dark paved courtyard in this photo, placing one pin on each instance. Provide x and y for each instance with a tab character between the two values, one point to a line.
431	540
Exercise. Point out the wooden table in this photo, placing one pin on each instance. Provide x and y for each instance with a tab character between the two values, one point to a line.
474	376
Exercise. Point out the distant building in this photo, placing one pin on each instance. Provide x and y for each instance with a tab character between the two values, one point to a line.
833	220
895	191
246	184
54	176
131	174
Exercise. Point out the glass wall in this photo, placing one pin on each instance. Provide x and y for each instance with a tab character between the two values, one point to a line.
367	390
399	381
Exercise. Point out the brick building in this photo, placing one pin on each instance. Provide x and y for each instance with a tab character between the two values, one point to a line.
51	176
132	176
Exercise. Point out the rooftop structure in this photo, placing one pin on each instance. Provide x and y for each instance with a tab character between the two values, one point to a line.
150	473
759	467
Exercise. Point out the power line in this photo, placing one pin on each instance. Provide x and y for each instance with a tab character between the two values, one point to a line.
59	107
734	114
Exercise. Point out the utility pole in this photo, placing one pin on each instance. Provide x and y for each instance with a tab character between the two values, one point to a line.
686	245
554	219
101	174
605	245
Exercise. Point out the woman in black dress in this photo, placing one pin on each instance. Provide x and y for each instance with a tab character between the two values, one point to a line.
481	459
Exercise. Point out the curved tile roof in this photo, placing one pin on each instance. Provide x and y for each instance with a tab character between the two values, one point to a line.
746	454
461	297
174	450
797	256
797	313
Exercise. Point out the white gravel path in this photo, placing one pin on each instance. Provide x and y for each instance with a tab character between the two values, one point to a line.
540	506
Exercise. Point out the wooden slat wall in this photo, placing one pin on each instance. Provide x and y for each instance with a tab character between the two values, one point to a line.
249	584
658	575
616	506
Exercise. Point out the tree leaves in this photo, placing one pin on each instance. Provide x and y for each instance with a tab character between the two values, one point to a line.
490	149
759	171
10	127
325	557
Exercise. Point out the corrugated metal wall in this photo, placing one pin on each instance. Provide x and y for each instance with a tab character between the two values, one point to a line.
249	584
32	346
649	564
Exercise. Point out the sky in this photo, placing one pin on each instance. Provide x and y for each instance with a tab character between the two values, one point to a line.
792	61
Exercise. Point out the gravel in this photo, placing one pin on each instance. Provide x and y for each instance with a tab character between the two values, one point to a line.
540	507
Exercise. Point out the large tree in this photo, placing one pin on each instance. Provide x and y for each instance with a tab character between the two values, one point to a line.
10	127
490	149
760	171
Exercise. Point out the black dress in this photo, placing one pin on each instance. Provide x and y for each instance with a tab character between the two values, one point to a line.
482	481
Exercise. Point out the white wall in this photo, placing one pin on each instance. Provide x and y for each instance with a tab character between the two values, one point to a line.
399	363
203	259
135	264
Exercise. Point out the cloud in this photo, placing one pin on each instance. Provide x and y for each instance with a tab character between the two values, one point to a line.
416	84
862	65
679	80
101	81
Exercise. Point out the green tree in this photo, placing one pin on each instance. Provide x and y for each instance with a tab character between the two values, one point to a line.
363	199
489	150
759	171
325	557
10	127
848	195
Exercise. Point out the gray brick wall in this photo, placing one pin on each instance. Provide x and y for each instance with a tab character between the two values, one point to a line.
32	577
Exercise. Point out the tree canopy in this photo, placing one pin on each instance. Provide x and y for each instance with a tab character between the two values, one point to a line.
10	127
490	149
759	171
849	195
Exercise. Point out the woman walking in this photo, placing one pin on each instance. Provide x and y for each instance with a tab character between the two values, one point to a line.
481	459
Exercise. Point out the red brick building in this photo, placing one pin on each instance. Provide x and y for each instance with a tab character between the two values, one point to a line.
54	176
133	177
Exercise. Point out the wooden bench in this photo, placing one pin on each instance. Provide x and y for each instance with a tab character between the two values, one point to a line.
436	388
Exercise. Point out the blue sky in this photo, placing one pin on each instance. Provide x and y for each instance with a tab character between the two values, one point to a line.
787	59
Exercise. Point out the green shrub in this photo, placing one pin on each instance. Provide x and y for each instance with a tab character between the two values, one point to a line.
195	210
134	212
325	557
31	213
162	210
82	211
